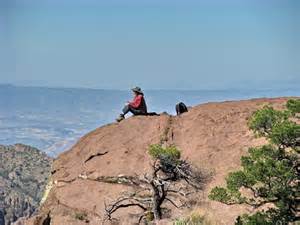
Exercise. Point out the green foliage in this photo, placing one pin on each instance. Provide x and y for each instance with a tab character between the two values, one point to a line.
265	174
170	154
259	218
293	106
269	172
158	152
169	157
193	219
224	195
272	216
262	121
286	134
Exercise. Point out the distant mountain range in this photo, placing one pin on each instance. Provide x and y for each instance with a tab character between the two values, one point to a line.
52	119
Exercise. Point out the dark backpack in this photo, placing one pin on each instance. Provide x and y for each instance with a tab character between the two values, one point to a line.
181	108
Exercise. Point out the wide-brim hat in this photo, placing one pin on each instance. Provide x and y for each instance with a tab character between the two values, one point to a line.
137	90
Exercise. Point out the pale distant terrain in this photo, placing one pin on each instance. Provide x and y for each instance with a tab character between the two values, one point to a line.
52	119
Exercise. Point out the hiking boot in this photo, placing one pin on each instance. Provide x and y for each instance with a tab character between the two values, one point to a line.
120	118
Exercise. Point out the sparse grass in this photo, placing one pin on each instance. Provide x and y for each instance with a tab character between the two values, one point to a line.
193	219
81	216
149	216
164	135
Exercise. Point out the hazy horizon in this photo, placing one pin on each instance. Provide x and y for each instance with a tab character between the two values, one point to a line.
128	89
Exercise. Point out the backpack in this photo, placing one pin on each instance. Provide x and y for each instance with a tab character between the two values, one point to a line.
181	108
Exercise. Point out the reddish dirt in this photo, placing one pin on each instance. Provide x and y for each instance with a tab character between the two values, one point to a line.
212	136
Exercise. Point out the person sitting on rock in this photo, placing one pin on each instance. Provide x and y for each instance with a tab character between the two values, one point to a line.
137	106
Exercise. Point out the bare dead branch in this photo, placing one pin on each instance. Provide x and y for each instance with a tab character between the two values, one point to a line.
173	203
123	202
164	181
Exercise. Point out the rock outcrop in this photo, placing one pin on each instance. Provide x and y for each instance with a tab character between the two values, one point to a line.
24	172
212	136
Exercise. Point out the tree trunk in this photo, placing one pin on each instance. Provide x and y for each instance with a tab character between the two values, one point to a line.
156	208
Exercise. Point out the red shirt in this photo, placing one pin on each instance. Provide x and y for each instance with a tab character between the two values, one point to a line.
136	101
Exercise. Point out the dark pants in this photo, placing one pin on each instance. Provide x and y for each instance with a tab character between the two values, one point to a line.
134	111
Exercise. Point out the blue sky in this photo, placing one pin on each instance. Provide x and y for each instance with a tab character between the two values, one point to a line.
156	44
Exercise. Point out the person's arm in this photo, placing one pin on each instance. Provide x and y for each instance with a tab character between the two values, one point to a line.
136	102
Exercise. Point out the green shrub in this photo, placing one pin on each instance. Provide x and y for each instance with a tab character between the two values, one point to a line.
293	106
286	134
259	218
268	172
269	177
158	152
169	157
262	121
193	219
220	194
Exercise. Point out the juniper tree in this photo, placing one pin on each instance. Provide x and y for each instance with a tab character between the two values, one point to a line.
293	106
171	180
270	173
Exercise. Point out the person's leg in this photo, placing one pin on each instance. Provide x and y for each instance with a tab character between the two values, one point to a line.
126	110
134	111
